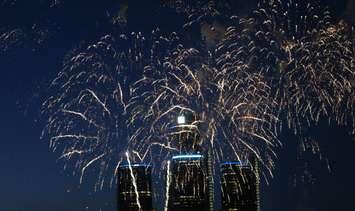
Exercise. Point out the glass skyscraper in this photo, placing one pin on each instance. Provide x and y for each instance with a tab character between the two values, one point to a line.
240	187
188	188
127	195
190	181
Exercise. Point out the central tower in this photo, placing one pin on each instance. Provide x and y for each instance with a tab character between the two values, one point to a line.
189	188
188	184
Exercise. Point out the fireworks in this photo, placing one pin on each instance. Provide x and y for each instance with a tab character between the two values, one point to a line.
324	89
286	62
10	39
311	70
233	110
167	186
32	37
87	107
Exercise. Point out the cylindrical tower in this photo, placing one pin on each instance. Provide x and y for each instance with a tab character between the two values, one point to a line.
134	188
188	188
240	186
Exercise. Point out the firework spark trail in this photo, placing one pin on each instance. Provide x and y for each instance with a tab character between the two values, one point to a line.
87	165
134	182
167	187
11	38
71	153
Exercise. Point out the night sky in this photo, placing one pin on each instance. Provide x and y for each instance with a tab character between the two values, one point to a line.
32	179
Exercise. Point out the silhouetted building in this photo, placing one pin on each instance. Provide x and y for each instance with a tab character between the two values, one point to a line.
240	187
188	187
210	181
127	196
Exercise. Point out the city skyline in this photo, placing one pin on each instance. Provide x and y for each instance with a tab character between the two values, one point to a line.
38	42
187	186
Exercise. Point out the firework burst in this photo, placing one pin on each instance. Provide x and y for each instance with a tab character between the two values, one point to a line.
86	110
305	58
233	110
124	93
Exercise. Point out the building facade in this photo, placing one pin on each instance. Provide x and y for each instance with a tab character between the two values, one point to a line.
127	191
240	187
188	188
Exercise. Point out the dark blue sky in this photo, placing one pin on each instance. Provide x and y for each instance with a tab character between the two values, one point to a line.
31	179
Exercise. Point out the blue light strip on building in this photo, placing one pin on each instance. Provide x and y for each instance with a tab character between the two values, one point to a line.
196	156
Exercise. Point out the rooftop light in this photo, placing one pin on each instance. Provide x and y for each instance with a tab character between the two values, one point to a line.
181	119
186	156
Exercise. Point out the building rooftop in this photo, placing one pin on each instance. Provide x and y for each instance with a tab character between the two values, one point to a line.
187	156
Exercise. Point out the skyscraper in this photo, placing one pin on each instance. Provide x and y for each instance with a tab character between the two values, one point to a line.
210	180
134	188
188	188
240	187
